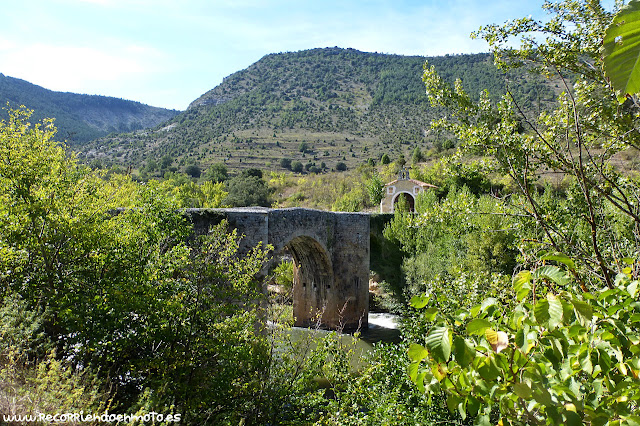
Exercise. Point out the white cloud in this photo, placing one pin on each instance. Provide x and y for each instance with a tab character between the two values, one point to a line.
79	69
65	66
6	44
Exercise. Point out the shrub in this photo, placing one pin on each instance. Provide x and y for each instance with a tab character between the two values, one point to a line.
193	170
247	191
297	167
285	163
217	172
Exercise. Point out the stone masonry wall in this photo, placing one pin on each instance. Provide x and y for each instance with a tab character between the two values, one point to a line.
331	253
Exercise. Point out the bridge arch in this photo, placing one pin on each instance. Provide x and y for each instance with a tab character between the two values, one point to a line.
312	281
330	251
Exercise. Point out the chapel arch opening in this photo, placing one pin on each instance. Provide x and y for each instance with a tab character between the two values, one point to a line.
406	199
312	282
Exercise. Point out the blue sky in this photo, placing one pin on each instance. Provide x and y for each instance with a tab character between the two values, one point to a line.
168	52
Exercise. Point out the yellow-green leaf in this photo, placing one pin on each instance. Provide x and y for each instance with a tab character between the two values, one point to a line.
522	284
497	339
522	390
417	352
419	302
478	326
413	371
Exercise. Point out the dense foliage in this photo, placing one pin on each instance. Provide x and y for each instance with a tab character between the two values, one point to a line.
110	304
561	345
126	293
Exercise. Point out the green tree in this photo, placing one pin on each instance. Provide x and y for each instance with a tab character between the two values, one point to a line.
217	172
59	234
416	156
524	146
283	275
385	159
152	165
247	190
207	297
131	293
352	201
192	195
213	195
166	161
193	170
297	167
375	189
252	172
285	163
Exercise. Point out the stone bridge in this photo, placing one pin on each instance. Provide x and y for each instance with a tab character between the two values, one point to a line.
330	252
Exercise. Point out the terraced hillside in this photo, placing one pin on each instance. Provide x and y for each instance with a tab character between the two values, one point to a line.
319	107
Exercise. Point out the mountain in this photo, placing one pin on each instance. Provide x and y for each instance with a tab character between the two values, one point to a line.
316	106
81	118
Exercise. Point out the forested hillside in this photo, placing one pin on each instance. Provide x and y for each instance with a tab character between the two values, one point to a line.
319	107
81	118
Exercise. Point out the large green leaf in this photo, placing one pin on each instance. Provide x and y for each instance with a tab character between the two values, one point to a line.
522	390
419	302
478	326
488	369
430	313
549	311
622	49
555	311
552	273
541	311
522	284
583	309
464	351
417	352
562	258
439	343
413	371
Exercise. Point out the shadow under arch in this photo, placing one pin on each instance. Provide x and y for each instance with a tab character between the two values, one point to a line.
313	296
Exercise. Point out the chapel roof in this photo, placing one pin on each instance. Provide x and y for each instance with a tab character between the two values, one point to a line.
414	181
